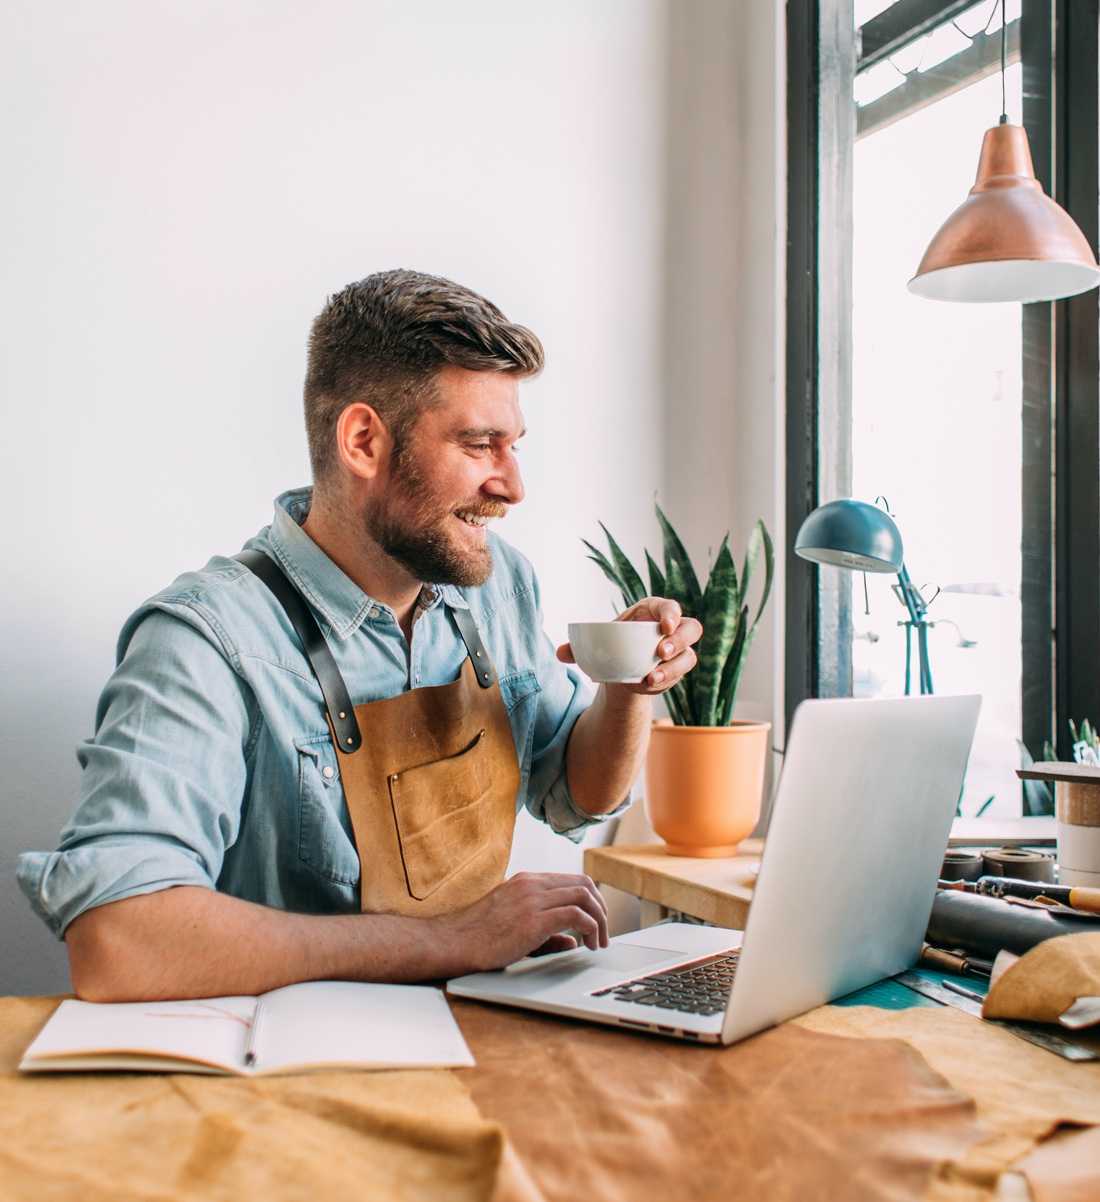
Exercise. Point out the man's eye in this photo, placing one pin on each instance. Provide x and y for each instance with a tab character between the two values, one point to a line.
480	446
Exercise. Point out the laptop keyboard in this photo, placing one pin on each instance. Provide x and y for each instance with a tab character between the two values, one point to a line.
694	989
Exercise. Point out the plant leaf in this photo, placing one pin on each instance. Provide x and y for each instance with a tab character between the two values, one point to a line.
680	574
610	573
679	709
1038	795
760	542
769	569
635	589
599	557
656	577
720	617
731	670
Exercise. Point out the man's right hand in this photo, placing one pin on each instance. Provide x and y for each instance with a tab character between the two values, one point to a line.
528	912
189	941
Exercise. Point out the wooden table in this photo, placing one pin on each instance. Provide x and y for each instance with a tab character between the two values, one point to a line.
854	1107
715	891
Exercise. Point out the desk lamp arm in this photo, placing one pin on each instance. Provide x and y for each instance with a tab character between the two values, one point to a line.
914	604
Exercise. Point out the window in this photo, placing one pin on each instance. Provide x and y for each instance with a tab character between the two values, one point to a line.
936	393
980	425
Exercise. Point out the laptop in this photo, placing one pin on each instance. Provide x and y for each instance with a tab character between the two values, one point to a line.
861	819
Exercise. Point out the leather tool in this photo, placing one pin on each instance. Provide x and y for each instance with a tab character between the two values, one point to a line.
984	925
1077	898
1050	1041
958	962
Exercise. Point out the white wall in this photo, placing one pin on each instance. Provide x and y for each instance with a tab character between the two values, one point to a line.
725	238
185	183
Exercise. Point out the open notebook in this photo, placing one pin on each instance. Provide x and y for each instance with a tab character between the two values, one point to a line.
301	1028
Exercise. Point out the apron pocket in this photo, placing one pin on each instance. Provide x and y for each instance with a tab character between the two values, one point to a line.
441	816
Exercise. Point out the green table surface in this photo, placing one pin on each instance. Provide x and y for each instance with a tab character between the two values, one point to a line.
891	995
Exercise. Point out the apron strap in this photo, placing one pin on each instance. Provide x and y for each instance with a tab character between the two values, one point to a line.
479	657
340	710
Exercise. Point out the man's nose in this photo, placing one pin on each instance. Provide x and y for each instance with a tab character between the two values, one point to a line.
507	484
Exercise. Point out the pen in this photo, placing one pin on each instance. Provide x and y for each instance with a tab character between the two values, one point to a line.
967	993
253	1036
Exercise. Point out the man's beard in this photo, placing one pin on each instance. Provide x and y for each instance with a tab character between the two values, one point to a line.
421	540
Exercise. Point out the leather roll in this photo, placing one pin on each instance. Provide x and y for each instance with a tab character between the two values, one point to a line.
961	865
984	926
1018	863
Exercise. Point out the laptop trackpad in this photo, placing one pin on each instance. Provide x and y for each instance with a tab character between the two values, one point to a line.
622	957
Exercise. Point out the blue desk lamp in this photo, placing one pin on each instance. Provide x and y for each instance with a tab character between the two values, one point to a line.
852	534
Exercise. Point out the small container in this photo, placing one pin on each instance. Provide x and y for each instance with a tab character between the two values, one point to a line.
615	652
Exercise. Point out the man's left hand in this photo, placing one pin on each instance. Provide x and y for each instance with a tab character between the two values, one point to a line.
678	636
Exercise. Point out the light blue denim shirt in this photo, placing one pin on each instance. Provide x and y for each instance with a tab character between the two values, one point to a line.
212	764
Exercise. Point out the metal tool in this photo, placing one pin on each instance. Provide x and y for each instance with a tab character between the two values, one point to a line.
1050	1041
1078	898
957	961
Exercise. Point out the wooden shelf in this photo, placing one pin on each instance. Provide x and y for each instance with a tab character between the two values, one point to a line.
1003	832
717	891
720	891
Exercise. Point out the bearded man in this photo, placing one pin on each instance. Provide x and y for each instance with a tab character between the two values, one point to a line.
308	762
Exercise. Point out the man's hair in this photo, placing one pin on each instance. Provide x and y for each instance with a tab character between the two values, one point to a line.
383	339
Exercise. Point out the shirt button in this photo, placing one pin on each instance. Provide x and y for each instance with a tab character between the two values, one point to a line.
328	772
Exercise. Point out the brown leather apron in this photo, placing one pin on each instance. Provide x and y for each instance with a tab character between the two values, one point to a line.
430	776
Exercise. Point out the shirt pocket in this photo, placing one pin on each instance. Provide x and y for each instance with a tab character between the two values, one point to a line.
441	815
326	843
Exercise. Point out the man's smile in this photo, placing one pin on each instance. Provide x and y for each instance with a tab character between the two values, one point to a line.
473	519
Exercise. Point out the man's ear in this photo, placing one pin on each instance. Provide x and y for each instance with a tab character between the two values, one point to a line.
362	440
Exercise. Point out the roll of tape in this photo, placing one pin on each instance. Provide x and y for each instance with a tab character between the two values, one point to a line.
1019	863
961	865
1079	847
1078	804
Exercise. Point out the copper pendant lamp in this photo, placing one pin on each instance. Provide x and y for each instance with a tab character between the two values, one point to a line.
1008	241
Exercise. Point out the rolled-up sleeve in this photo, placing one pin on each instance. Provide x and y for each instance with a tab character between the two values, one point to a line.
564	695
163	776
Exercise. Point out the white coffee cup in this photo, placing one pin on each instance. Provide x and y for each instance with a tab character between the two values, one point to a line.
615	652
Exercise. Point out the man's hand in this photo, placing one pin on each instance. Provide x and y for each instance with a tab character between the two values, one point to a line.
189	941
528	912
678	636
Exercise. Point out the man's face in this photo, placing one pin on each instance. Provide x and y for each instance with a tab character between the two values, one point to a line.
457	469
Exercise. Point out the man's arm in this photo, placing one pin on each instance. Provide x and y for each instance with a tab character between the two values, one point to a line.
620	717
192	942
599	781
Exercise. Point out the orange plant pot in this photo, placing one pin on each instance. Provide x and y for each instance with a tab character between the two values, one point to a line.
704	785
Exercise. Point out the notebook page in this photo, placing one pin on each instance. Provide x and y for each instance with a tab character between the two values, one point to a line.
212	1031
329	1023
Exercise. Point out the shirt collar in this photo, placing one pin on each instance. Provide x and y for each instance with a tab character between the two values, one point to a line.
339	600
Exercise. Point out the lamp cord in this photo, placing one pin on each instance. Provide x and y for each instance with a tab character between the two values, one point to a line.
1004	104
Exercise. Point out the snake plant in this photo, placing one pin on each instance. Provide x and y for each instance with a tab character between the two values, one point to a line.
705	697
